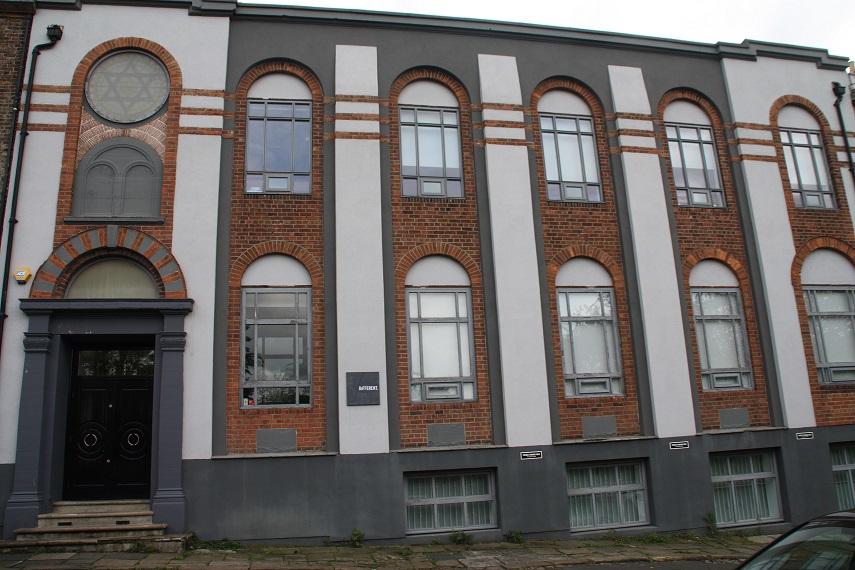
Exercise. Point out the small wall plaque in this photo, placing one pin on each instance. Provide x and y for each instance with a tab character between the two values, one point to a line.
524	455
678	445
363	388
804	435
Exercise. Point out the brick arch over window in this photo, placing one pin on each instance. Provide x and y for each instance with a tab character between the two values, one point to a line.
594	253
72	255
252	75
411	257
810	246
84	132
281	247
716	254
464	109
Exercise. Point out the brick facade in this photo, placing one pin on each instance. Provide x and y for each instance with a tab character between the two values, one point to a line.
438	226
585	229
14	34
287	224
716	233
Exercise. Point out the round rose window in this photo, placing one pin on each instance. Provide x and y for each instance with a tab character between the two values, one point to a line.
127	87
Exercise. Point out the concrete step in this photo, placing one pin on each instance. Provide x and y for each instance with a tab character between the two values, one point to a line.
168	543
54	519
88	532
78	507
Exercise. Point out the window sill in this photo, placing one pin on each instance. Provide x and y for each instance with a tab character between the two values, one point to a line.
448	448
132	220
602	439
273	455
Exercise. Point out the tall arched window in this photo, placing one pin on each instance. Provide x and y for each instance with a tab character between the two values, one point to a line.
694	161
431	159
439	331
279	135
277	349
118	178
587	321
804	152
569	148
828	285
719	327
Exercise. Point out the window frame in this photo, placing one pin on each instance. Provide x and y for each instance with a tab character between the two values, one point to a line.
825	192
709	189
754	476
847	468
266	174
420	179
561	184
825	369
245	385
446	381
465	499
620	489
615	377
709	376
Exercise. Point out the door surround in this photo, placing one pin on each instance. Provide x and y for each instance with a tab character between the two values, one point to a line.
54	326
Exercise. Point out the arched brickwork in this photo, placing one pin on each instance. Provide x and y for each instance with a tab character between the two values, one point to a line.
72	255
719	255
594	253
271	247
448	250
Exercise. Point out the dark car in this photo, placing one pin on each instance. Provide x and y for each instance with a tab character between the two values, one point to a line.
824	543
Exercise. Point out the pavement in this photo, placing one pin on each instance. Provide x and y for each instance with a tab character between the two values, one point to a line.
539	554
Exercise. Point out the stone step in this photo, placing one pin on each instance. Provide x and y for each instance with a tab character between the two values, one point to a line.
99	506
86	532
54	519
169	543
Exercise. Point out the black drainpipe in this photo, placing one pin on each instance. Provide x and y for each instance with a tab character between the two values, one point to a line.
839	91
54	34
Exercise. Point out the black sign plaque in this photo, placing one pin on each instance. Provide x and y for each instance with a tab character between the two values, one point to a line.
363	388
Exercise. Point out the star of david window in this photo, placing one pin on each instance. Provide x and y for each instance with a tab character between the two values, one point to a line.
127	87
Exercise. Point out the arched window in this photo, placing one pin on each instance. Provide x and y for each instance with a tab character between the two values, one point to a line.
694	161
112	278
439	331
828	280
807	170
587	322
279	135
569	148
431	159
118	178
276	359
719	327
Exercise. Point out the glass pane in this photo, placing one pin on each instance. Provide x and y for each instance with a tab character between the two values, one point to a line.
712	172
302	352
302	110
415	352
677	164
480	513
442	391
550	160
806	169
608	508
249	353
420	517
689	133
438	305
581	511
589	346
462	305
432	188
439	349
722	503
450	515
546	123
465	365
585	304
819	160
585	126
578	478
628	474
302	185
430	151
671	132
138	193
408	151
468	390
419	488
562	305
256	109
275	184
799	138
453	189
594	194
452	152
715	303
116	362
574	192
279	110
719	467
632	503
594	385
792	172
694	165
277	149
566	348
275	357
408	115
451	486
831	301
276	396
277	306
254	183
843	489
410	187
706	135
112	279
449	117
477	484
571	163
302	146
255	146
700	198
566	124
604	476
429	117
838	339
838	456
721	344
590	154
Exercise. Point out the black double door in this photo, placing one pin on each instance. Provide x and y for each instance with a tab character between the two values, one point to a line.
108	443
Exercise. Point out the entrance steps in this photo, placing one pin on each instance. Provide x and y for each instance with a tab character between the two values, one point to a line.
111	526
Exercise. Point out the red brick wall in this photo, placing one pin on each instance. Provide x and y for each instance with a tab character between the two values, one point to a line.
443	226
814	229
263	224
14	34
716	233
573	229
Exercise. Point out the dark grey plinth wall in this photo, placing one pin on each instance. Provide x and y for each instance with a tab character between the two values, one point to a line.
303	498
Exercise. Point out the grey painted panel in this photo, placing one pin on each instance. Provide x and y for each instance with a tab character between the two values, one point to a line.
445	434
733	418
275	440
7	474
599	427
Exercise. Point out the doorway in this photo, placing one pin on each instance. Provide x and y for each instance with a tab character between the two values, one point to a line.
109	432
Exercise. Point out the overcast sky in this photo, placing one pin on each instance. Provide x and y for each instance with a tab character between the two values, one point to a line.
828	24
